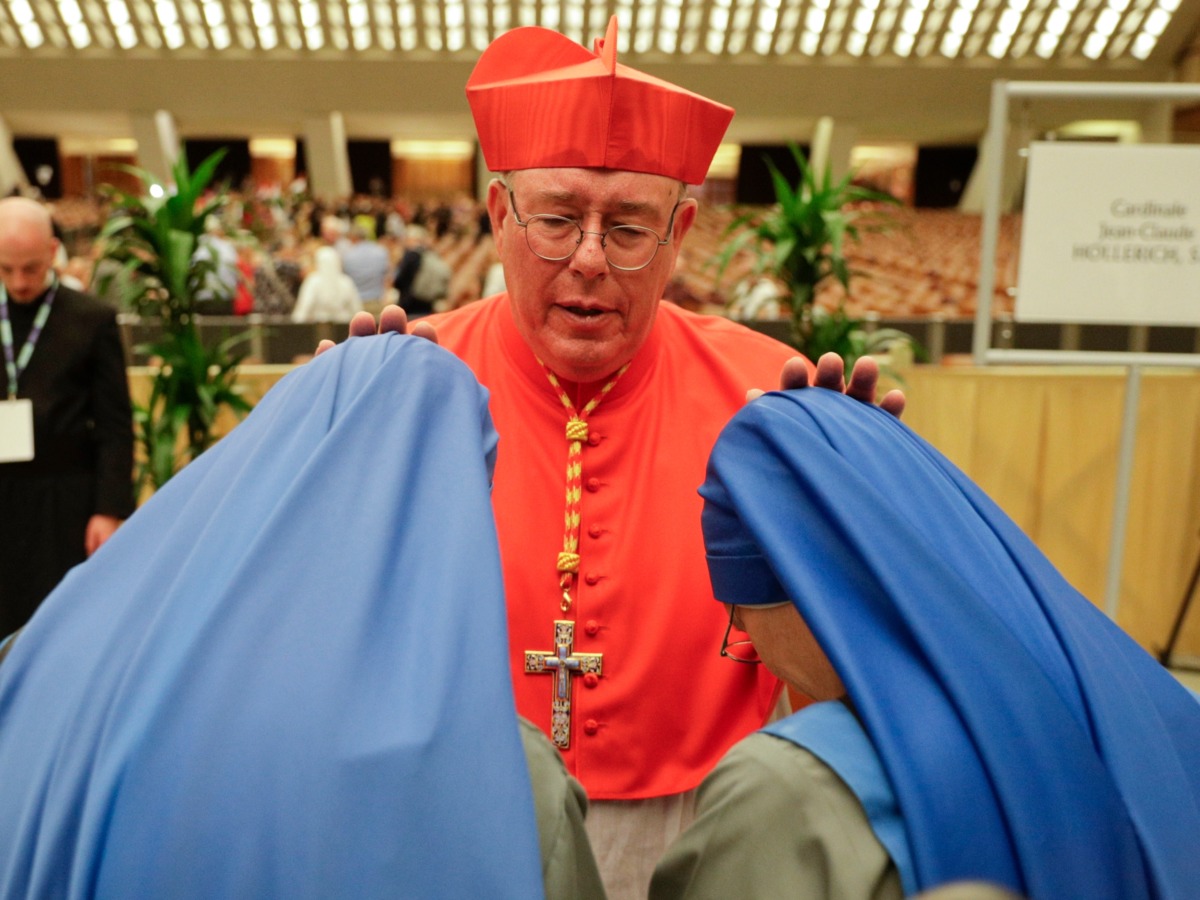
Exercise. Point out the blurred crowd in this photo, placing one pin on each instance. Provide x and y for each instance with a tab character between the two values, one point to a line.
928	265
266	246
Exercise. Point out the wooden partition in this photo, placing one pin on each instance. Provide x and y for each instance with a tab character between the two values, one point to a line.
1043	443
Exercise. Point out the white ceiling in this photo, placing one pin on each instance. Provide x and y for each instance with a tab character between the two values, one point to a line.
1056	31
894	69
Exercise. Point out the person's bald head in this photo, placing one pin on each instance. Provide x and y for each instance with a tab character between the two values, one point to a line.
27	248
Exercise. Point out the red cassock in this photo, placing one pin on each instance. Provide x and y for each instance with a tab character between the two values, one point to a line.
664	705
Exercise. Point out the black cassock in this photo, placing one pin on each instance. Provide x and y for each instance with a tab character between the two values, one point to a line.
83	445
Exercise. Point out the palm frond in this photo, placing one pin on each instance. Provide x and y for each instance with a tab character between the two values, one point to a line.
154	241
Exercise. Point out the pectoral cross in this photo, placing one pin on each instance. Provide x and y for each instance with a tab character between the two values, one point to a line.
563	664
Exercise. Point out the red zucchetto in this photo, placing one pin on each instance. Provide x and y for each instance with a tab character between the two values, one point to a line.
542	101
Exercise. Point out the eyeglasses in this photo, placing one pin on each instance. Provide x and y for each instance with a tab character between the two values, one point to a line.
738	651
626	247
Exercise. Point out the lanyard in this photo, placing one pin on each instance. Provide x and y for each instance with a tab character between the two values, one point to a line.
15	366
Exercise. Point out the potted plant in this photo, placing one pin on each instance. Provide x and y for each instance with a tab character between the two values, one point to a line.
800	242
152	239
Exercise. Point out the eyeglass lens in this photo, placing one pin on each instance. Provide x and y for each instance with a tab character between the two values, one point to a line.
739	651
742	651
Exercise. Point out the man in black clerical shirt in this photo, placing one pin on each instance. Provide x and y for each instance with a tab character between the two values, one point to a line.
64	384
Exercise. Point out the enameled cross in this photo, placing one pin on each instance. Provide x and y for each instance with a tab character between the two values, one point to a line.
563	663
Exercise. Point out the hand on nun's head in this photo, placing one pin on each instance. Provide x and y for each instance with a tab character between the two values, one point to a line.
392	318
831	376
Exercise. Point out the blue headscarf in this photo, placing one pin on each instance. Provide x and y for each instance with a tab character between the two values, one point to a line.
1030	742
286	675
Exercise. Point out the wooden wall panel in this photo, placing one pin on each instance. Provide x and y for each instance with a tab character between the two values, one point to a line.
425	180
83	176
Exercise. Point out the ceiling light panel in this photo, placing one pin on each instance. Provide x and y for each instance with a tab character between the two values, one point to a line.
1045	30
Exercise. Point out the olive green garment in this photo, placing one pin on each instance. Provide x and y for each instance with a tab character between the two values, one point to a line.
772	820
560	803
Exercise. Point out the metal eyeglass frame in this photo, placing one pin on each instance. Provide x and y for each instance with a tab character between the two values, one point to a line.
603	235
725	645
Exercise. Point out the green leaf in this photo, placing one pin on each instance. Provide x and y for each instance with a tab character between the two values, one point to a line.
154	242
802	241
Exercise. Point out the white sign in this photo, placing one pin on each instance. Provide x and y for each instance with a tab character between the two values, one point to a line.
16	430
1111	233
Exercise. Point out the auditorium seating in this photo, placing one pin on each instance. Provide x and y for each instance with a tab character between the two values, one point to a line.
926	265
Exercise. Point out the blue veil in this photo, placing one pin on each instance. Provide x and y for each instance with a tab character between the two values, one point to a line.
286	675
1030	742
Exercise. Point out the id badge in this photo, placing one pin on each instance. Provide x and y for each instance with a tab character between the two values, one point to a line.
16	430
